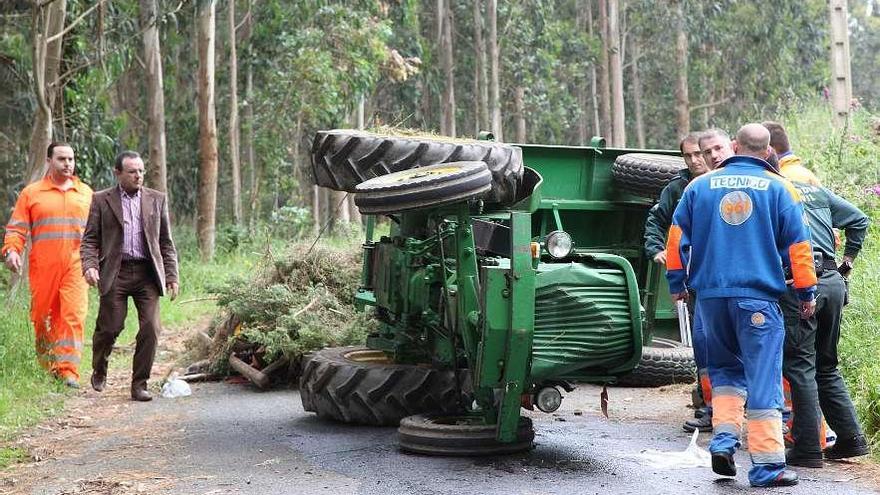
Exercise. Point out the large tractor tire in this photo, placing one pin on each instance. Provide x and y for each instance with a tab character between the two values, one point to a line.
422	187
645	174
460	436
664	362
342	159
360	386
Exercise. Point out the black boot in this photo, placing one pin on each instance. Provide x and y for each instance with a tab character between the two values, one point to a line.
785	478
848	447
723	464
801	459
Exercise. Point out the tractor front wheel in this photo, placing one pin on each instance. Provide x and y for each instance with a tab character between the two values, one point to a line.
362	386
645	174
460	436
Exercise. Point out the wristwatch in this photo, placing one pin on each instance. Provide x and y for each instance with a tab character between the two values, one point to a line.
845	268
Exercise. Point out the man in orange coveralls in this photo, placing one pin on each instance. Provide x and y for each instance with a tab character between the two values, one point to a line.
54	211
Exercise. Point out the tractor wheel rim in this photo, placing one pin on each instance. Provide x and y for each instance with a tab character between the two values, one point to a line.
368	356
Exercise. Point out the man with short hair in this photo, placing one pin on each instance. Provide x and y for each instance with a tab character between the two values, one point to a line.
810	357
731	235
790	165
657	224
127	251
716	147
53	212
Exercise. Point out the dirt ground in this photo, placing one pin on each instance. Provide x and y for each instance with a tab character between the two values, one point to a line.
231	438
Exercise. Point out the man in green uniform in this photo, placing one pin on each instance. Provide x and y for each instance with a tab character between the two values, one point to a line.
810	358
656	227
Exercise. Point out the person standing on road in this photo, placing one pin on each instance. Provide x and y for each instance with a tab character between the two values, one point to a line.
53	211
657	224
731	235
810	356
127	250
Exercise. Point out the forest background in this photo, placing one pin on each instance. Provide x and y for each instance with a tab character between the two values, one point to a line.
223	98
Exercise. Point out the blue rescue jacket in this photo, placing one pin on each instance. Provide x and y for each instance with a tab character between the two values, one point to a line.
735	229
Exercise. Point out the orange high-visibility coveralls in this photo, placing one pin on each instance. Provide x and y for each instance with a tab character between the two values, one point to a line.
55	220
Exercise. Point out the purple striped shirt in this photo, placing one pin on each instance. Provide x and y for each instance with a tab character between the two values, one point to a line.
132	226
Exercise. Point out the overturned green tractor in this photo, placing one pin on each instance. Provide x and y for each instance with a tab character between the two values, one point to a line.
510	273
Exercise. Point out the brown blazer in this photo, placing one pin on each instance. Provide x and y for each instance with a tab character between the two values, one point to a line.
102	241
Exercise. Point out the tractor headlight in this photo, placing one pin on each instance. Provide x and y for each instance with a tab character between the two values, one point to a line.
548	399
559	244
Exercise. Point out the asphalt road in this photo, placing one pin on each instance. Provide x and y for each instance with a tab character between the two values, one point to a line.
228	438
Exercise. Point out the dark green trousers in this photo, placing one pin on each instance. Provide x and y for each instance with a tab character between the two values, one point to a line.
810	365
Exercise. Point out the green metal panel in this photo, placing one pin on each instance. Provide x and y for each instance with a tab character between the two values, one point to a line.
583	319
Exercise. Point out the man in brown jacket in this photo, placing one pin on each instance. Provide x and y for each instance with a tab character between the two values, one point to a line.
127	250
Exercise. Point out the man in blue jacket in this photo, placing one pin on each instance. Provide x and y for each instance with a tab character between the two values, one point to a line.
732	234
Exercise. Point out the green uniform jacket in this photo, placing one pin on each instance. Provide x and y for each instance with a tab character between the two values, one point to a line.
826	211
660	215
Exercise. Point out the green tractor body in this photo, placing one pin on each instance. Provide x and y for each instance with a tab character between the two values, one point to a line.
523	299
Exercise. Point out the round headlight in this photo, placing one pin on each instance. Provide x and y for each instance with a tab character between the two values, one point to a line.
559	244
548	399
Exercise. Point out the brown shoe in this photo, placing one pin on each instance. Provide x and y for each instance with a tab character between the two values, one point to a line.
141	395
99	382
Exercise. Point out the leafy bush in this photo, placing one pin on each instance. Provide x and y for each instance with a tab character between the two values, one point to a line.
298	303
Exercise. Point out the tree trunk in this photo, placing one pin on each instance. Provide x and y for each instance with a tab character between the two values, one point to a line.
248	144
207	130
594	99
519	105
615	65
234	131
482	87
603	73
582	97
637	95
354	212
495	57
157	171
316	209
47	21
682	100
841	80
447	126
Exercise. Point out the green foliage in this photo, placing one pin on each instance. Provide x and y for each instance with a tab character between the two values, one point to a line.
846	162
12	455
298	303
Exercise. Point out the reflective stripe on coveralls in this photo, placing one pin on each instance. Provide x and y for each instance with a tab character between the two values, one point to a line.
55	220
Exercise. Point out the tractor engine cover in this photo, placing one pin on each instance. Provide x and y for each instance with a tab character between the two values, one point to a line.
584	320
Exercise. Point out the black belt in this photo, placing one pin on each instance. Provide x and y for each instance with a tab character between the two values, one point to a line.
820	264
134	260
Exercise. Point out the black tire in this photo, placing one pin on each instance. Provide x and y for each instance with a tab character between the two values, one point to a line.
343	158
421	187
459	436
645	174
356	385
664	362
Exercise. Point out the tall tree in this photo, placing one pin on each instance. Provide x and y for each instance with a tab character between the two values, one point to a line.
637	94
234	131
447	125
157	171
841	80
615	66
481	86
603	71
519	96
495	60
682	100
207	199
47	26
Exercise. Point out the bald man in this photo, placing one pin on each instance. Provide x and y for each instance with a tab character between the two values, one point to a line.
732	234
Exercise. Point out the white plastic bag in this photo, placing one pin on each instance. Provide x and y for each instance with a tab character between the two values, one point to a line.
175	387
692	457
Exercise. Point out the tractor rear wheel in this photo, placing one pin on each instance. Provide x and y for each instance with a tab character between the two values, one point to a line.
422	187
645	174
362	386
664	362
343	158
460	436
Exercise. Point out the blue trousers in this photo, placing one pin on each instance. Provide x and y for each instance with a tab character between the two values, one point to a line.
744	343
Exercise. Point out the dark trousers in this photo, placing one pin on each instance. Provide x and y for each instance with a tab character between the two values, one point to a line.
810	365
135	279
